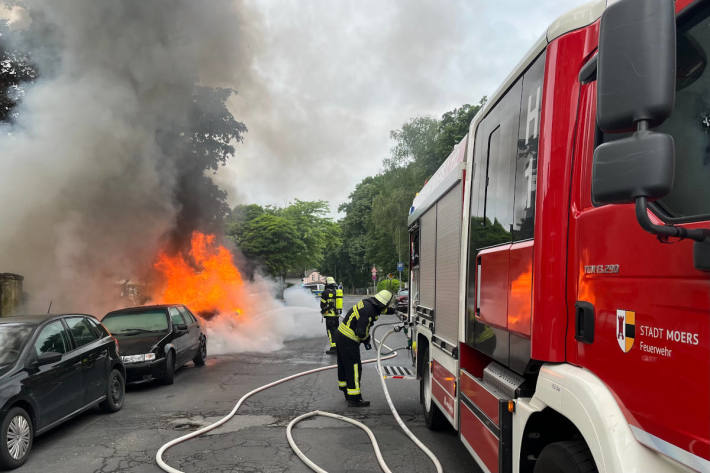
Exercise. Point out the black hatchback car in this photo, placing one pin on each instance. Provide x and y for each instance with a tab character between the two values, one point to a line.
157	340
52	367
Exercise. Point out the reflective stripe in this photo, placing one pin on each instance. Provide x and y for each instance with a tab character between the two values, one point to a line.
339	299
342	384
323	300
348	332
353	392
357	378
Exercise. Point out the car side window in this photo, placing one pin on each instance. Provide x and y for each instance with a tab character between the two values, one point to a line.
187	315
175	316
81	330
100	329
52	338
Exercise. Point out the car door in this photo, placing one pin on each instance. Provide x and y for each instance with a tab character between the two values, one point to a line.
93	354
193	329
56	388
181	337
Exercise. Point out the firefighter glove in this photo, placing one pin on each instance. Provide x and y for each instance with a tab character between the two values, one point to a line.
368	346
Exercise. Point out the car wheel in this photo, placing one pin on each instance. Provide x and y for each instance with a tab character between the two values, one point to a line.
433	417
201	355
572	456
115	392
169	376
15	438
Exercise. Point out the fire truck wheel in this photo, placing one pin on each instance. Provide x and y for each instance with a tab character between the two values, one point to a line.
433	417
16	438
115	392
199	358
572	456
169	375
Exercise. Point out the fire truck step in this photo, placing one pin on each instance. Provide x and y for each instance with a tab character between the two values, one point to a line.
397	372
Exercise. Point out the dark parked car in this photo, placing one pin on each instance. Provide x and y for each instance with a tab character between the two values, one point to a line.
52	367
156	340
403	301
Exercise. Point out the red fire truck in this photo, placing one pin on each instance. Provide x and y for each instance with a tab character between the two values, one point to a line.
560	284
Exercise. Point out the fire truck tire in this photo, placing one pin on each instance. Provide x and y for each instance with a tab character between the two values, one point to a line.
16	438
169	375
572	456
433	417
201	354
115	392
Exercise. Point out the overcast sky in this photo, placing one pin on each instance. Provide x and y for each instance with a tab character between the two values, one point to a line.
332	78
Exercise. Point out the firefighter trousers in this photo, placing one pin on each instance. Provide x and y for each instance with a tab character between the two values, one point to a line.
349	366
331	327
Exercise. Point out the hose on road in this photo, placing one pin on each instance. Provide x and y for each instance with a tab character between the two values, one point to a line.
165	467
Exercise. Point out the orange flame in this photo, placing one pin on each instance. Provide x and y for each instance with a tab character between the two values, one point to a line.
207	283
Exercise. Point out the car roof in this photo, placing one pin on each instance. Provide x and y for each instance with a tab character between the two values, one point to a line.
36	319
143	308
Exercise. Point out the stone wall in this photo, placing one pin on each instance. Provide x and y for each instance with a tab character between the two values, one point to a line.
10	293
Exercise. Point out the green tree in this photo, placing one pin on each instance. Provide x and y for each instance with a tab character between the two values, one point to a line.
392	285
375	223
276	228
271	240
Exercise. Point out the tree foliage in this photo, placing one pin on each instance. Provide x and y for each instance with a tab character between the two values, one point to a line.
285	239
201	144
392	285
375	223
16	69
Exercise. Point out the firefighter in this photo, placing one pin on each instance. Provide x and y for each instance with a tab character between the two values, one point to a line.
353	330
329	312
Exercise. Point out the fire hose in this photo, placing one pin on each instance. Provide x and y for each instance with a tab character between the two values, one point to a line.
164	466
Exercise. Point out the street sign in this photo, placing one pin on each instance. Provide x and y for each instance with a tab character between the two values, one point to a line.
373	271
400	267
374	277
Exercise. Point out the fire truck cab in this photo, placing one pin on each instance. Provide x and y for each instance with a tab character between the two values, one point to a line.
560	284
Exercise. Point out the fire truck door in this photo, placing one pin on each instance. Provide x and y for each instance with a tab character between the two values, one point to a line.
651	307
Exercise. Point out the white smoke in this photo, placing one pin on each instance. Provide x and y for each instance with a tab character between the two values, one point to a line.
266	323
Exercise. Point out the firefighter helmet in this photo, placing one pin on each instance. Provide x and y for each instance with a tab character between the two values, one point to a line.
385	297
330	280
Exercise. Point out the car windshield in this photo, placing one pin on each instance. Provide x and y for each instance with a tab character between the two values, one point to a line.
134	323
12	340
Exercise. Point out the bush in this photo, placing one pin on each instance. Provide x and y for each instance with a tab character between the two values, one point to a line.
391	285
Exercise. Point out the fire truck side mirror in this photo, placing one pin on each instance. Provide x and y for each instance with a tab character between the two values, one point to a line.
636	76
636	69
641	165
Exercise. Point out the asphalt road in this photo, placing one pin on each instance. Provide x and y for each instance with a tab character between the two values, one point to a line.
255	440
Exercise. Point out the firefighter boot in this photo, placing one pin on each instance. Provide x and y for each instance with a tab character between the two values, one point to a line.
356	401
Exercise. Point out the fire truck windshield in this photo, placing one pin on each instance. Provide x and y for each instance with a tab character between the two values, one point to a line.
689	123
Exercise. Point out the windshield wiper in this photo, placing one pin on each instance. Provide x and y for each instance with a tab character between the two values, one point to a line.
135	330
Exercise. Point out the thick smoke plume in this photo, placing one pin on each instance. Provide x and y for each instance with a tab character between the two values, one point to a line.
112	153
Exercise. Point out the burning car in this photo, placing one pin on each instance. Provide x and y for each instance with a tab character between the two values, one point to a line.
157	340
53	367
